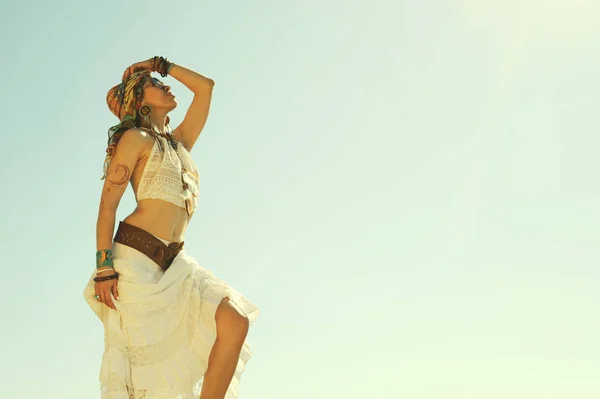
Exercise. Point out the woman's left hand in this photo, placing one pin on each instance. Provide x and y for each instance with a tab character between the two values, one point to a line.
147	64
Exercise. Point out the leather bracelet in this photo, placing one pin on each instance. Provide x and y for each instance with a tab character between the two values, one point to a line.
112	276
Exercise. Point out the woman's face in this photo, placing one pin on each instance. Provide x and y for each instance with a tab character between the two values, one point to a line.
158	95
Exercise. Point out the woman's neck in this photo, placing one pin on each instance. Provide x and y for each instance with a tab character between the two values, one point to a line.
164	131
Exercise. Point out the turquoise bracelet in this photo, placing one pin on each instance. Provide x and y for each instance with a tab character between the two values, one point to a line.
103	261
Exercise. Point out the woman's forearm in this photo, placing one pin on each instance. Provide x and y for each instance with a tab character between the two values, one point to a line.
190	79
105	227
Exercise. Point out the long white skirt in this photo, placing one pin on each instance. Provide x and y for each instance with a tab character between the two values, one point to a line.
157	342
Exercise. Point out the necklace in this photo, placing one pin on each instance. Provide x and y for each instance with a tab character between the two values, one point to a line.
170	139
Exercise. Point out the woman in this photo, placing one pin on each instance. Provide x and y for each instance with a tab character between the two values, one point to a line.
172	328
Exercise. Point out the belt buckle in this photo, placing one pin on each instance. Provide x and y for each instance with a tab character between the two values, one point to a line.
172	250
165	258
159	253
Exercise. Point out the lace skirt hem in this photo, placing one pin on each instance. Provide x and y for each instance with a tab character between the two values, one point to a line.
157	342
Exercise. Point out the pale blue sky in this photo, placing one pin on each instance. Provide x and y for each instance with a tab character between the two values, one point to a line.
407	189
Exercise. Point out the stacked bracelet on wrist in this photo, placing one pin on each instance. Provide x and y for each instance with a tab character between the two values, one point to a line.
104	261
104	257
161	65
104	270
112	276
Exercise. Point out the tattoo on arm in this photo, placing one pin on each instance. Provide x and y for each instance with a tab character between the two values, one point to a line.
120	175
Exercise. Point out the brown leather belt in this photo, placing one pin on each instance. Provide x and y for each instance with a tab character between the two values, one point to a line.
134	237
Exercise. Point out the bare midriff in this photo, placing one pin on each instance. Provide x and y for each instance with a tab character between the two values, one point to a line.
159	218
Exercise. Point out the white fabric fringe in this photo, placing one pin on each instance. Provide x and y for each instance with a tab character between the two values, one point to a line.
157	342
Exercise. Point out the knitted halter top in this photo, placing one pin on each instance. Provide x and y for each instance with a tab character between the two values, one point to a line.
170	175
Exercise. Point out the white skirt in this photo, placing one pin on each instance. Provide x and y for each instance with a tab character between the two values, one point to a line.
157	342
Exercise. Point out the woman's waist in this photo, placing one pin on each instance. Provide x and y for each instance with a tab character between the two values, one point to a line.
159	250
161	219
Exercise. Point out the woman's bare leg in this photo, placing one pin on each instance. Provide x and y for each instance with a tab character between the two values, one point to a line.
232	328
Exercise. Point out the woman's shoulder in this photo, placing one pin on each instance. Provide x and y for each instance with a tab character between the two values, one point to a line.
136	133
136	139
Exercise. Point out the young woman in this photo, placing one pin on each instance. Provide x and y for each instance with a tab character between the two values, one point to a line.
173	330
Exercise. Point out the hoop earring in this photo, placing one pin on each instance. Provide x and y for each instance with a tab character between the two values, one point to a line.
144	112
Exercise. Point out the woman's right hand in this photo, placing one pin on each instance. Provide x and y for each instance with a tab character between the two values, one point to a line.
105	288
146	64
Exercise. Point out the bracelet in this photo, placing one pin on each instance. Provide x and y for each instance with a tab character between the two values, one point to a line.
112	276
103	278
104	270
161	65
115	273
104	257
99	279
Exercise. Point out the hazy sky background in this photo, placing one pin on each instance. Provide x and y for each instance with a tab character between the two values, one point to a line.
407	189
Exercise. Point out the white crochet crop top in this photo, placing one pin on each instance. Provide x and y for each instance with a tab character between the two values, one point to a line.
170	175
